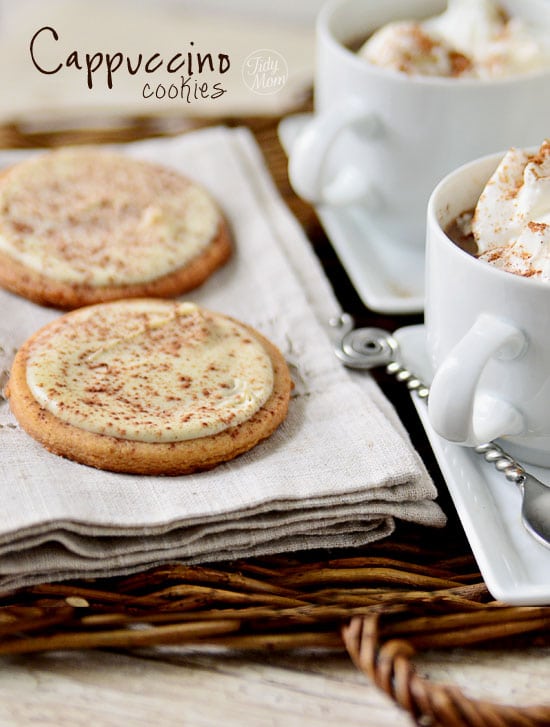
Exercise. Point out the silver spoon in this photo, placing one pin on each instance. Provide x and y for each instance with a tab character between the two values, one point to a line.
368	348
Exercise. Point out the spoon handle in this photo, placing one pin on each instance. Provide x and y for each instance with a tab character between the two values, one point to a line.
503	462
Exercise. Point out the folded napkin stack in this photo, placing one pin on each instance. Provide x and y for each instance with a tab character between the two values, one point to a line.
337	473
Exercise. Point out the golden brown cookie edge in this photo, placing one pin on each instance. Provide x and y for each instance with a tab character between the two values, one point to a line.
32	285
148	458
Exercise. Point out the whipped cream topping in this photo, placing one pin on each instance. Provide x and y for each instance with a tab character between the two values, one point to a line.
472	38
84	216
511	222
148	370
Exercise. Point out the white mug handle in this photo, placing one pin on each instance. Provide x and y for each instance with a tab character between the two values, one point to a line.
310	150
458	410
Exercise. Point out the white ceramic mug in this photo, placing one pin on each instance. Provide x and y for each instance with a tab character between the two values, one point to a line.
383	139
488	335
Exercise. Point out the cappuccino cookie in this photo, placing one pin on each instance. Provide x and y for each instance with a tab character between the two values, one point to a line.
148	386
80	226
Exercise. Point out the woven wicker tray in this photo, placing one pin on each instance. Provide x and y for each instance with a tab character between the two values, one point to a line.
382	604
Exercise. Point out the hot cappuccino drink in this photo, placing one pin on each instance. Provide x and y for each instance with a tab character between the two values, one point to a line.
510	225
471	39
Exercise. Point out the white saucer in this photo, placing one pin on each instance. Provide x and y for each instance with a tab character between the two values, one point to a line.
386	279
515	567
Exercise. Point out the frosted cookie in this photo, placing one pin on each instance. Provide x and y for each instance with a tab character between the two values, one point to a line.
149	387
80	226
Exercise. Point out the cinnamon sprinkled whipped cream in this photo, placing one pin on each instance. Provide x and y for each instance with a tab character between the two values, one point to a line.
99	218
511	222
149	371
471	39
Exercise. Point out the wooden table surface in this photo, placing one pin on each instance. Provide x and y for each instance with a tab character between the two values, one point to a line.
182	686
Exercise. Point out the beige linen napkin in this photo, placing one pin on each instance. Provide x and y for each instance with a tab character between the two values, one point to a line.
338	472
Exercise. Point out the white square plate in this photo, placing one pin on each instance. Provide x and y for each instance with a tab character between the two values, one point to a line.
515	567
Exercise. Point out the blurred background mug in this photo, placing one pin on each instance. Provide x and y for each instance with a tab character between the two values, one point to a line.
487	335
383	139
